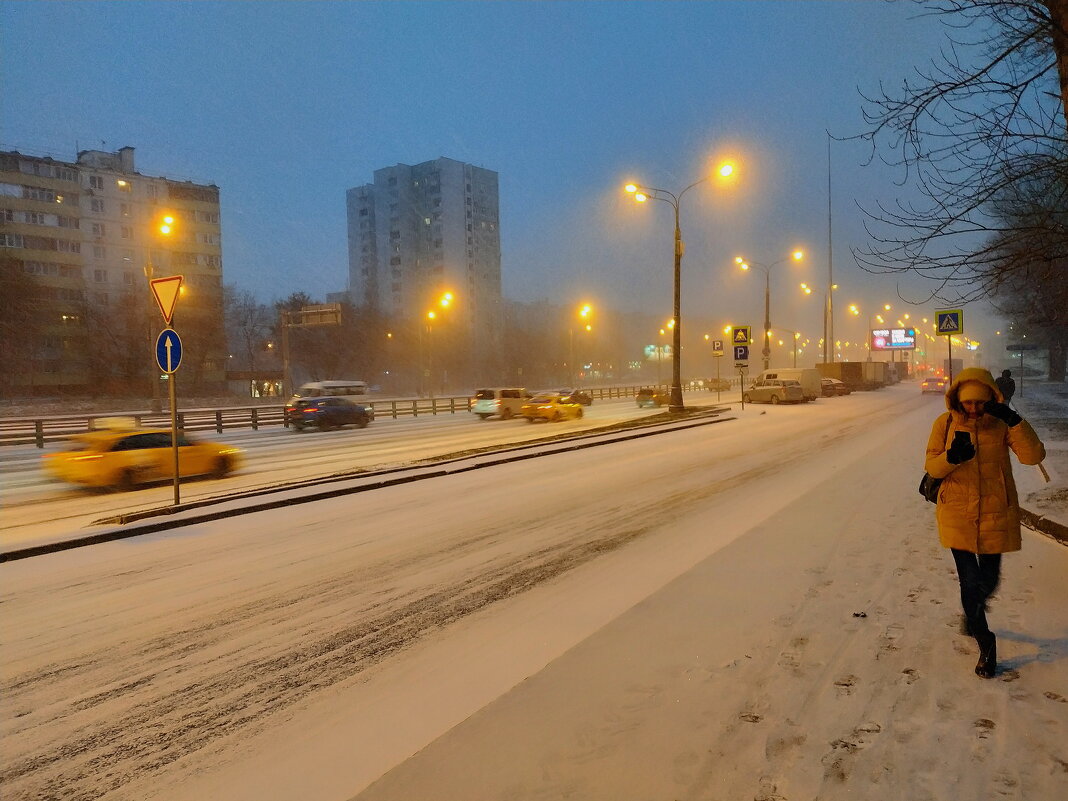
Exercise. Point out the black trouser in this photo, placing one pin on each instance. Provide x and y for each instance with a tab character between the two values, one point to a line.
979	574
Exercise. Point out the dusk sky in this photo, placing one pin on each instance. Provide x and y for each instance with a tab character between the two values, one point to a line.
285	106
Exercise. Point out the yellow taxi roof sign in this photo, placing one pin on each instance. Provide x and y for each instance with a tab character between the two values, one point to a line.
165	291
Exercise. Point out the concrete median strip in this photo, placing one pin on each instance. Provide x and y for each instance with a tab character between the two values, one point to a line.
152	521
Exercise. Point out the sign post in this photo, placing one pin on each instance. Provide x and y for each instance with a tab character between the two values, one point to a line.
741	336
169	357
717	354
948	323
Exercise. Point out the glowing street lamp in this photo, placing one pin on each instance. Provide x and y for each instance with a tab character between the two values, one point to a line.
585	312
797	255
641	194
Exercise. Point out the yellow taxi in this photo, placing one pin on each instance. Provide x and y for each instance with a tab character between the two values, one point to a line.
551	406
122	456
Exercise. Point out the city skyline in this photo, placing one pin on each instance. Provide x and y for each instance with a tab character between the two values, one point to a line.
315	96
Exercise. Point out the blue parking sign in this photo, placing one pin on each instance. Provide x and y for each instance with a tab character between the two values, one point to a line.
741	353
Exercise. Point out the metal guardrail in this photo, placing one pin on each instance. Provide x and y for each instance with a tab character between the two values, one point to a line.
40	430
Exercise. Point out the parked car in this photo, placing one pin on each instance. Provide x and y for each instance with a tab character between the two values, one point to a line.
808	377
578	395
774	390
935	383
647	397
552	407
505	402
327	413
718	384
832	387
124	456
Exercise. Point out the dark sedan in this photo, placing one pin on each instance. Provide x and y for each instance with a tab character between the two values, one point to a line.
578	396
327	413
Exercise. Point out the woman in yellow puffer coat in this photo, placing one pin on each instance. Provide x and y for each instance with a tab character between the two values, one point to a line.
978	511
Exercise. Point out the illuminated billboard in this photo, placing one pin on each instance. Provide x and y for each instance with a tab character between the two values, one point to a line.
893	339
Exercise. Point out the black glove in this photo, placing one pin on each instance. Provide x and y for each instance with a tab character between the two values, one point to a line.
960	451
1003	412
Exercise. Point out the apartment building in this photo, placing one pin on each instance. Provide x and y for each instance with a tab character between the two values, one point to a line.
87	233
418	232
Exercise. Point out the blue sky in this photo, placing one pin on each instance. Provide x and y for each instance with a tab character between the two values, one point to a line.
287	105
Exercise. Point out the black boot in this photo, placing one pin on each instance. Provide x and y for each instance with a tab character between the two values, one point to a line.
987	665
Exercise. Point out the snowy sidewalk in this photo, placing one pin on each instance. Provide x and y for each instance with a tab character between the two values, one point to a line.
817	656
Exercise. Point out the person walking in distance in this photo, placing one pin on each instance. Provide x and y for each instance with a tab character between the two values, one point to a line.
978	510
1006	385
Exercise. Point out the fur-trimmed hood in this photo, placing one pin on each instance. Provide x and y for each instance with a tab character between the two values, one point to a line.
970	374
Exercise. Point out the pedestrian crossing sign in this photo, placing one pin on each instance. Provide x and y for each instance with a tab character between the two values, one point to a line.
740	335
950	322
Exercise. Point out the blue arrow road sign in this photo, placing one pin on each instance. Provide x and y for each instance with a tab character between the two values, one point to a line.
168	350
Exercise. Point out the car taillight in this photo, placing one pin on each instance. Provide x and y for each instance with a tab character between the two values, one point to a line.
311	409
90	456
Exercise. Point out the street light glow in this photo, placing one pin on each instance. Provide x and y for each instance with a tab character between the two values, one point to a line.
798	255
726	170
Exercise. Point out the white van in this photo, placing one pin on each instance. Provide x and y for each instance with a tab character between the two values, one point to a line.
322	389
808	377
506	402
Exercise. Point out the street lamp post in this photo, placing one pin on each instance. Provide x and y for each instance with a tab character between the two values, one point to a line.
641	194
797	255
443	302
584	312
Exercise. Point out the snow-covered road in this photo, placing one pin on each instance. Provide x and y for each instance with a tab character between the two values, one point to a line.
37	507
681	604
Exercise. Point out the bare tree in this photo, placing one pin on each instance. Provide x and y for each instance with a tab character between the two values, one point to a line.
249	324
987	114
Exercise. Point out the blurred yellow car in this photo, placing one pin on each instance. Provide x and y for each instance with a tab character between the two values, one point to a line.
551	406
125	457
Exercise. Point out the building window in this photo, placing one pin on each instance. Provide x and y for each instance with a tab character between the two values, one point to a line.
127	232
10	240
35	218
395	260
96	182
124	209
96	204
100	276
99	229
123	185
153	191
100	252
127	277
392	180
101	298
363	212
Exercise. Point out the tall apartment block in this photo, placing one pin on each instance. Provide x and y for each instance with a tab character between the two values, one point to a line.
420	231
86	233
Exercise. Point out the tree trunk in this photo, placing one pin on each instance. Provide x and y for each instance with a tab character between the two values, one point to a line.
1058	13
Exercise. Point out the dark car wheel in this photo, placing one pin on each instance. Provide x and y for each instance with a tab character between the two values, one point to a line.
362	422
579	415
324	424
126	480
775	399
221	467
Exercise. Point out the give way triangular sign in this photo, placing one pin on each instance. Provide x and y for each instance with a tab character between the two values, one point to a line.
165	290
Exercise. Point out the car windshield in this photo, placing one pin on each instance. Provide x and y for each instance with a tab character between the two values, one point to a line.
485	394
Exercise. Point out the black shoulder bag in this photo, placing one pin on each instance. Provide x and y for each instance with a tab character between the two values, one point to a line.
929	484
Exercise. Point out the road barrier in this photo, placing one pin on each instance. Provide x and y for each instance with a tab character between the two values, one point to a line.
40	430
